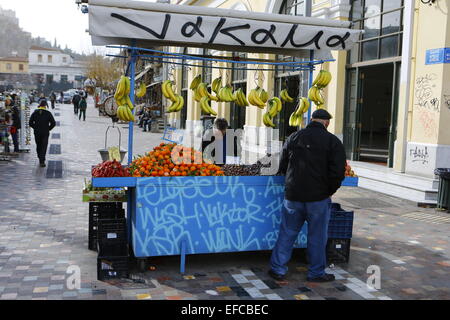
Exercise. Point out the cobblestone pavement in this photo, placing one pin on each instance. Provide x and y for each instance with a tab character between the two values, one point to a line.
44	230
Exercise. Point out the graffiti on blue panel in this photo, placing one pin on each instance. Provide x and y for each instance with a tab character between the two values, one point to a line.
210	214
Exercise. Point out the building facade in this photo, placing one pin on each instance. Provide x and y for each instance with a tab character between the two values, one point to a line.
14	73
390	94
52	65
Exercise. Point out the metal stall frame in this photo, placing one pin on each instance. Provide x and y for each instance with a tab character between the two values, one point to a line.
135	46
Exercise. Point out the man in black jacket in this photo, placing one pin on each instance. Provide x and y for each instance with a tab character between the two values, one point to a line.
313	161
76	100
42	122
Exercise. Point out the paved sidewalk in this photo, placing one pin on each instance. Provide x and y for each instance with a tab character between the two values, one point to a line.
44	230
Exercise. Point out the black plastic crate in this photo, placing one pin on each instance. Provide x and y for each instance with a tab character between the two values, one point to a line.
340	225
338	250
99	211
112	230
106	210
113	262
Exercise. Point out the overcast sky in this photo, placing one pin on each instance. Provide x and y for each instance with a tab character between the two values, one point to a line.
50	19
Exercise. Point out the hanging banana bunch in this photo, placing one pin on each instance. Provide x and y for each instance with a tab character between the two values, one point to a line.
258	97
167	90
323	79
226	94
240	98
195	82
142	90
176	105
296	117
206	108
275	107
122	97
216	85
177	100
315	96
202	89
284	95
315	92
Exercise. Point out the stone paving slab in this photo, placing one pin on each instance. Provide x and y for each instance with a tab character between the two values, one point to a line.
43	231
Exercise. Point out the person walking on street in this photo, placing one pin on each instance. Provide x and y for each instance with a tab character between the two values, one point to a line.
61	97
16	126
53	100
42	98
82	105
313	161
76	100
42	122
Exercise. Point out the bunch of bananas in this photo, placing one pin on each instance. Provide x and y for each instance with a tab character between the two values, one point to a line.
142	90
275	106
202	91
206	108
122	97
258	97
177	100
226	94
320	82
315	95
240	98
124	113
295	119
322	79
284	95
167	90
195	82
216	85
177	105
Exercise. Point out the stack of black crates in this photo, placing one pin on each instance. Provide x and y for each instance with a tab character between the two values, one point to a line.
340	230
108	236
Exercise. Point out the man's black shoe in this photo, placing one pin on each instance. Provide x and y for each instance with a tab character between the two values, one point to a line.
276	276
325	278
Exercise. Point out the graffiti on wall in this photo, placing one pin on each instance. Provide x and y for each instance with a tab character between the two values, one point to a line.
208	214
424	92
419	154
429	123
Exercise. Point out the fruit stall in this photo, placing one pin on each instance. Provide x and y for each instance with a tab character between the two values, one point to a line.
179	202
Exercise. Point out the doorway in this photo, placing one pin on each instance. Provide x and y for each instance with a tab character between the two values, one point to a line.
371	112
376	112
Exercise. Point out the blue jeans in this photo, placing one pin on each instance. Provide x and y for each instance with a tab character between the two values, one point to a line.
293	216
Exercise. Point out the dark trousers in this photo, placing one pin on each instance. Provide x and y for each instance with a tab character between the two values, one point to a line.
53	104
82	112
41	145
75	108
293	216
147	124
15	138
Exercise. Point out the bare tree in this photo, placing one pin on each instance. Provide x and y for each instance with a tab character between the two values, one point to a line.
103	70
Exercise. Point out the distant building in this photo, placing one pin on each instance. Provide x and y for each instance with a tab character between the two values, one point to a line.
49	66
14	73
13	65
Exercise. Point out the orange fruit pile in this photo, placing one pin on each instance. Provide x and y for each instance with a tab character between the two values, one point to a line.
172	160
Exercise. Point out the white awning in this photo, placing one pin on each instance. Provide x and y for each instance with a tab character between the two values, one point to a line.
117	22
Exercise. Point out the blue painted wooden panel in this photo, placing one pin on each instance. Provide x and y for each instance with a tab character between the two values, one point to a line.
212	214
114	182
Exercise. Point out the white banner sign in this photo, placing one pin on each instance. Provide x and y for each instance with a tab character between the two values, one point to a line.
182	29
